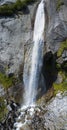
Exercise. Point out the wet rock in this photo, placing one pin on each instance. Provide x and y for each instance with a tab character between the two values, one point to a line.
49	117
9	120
16	92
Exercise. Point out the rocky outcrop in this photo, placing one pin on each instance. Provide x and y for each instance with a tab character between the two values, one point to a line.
56	28
55	34
52	116
9	120
16	34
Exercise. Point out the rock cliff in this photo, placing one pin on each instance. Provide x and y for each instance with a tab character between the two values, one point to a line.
16	34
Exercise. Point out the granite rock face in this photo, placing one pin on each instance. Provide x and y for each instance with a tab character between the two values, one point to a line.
56	27
16	35
15	32
16	43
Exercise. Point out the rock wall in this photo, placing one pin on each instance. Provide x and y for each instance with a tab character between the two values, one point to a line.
16	33
55	34
15	37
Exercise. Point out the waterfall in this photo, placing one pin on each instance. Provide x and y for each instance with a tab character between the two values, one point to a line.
37	55
36	64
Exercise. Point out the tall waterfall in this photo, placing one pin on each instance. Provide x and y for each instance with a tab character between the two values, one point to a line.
37	55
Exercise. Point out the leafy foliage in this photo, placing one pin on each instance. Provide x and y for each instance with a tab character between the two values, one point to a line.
6	81
10	9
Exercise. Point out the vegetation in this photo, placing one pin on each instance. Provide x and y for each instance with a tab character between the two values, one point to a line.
63	46
10	9
62	70
3	109
59	4
6	81
61	86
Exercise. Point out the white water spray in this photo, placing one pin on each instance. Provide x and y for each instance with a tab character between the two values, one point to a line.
37	55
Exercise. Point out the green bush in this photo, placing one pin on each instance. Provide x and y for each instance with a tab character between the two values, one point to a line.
13	8
6	81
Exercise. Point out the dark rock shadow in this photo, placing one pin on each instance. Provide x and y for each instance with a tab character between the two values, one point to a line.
25	10
49	70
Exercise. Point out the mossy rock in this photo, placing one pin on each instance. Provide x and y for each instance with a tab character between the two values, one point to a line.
3	109
61	86
63	46
59	4
7	82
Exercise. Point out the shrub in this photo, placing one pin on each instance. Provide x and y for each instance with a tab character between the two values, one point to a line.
13	8
6	81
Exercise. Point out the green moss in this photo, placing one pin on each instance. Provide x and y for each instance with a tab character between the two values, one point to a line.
59	4
63	46
3	109
61	86
58	66
6	81
13	8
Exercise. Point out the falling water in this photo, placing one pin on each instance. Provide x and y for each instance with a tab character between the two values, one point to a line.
36	65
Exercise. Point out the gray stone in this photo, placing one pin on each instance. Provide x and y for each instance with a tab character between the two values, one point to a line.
2	2
49	117
59	79
2	91
15	33
56	27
